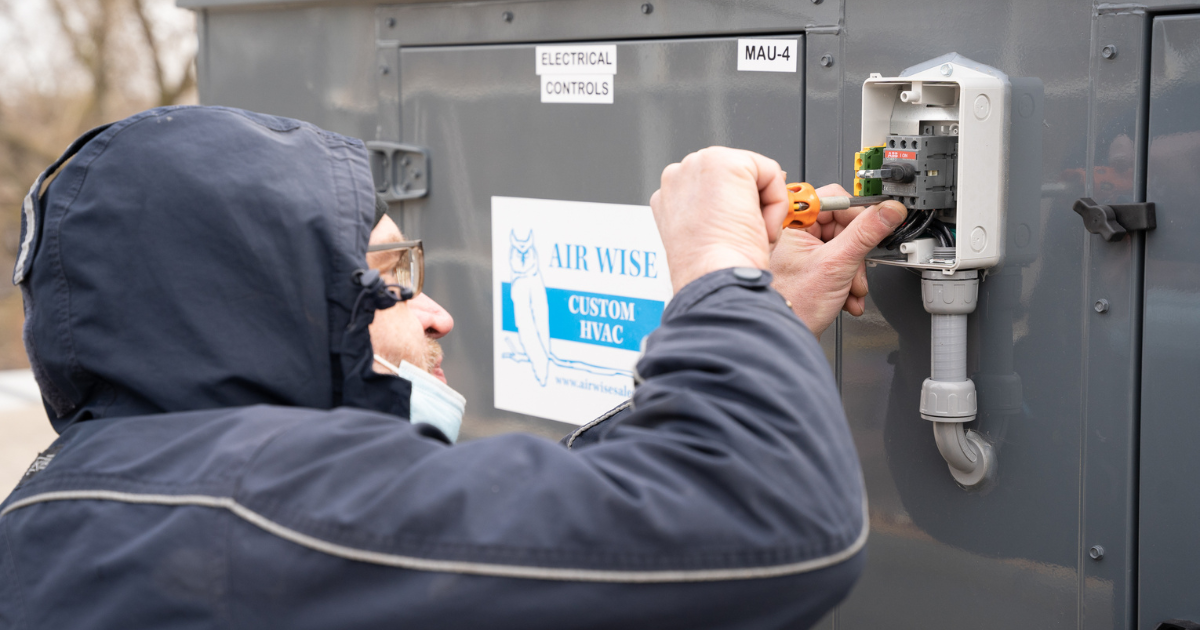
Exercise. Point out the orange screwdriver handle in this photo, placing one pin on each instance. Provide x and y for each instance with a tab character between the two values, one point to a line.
803	204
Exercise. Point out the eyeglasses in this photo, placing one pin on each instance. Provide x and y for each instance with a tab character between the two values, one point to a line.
403	261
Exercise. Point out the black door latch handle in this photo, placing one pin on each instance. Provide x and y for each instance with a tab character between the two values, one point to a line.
1113	221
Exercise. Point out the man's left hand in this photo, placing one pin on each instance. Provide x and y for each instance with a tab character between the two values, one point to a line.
821	269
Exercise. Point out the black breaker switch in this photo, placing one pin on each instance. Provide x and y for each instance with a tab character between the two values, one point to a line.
919	171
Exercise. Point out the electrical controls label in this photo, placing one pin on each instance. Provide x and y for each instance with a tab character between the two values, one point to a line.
575	288
576	59
576	74
577	88
899	155
767	55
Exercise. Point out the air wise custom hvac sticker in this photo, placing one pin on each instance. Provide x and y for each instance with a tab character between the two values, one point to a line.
767	55
576	288
577	74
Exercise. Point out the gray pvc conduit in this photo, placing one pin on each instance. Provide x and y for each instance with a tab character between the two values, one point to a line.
949	351
948	396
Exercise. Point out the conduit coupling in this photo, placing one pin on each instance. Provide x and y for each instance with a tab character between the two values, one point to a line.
948	396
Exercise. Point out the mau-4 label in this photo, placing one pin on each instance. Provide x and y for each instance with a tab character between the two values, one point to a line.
767	55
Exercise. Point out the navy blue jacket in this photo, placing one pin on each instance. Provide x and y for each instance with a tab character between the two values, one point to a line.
228	458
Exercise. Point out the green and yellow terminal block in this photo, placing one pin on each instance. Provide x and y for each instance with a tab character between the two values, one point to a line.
870	158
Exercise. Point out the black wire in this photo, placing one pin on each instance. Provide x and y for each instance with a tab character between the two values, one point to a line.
924	225
909	229
893	240
941	232
940	236
936	234
920	223
949	235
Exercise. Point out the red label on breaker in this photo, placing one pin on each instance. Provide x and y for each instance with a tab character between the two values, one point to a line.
899	155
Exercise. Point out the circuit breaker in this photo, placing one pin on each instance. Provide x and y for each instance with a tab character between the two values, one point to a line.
936	139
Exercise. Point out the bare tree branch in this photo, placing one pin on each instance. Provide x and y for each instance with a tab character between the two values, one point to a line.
164	92
88	47
78	41
101	29
186	83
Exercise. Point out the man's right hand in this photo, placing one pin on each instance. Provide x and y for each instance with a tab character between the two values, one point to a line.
822	270
719	208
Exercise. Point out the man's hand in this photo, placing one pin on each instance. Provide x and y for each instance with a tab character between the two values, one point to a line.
719	208
821	270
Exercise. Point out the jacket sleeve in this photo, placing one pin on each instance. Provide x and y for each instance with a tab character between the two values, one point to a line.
730	489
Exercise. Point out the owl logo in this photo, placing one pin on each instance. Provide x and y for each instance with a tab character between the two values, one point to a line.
531	314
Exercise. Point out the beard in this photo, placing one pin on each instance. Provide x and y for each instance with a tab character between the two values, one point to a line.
427	356
431	355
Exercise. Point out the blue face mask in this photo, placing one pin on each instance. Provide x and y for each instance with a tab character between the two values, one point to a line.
433	402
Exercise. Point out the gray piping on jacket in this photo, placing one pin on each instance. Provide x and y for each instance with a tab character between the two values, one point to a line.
611	412
451	566
30	228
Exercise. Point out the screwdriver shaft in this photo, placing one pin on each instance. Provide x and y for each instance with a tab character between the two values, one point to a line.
841	203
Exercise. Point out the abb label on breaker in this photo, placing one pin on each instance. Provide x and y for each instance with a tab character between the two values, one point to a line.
899	155
576	74
767	55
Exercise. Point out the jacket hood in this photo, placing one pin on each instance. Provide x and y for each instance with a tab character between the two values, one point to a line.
193	258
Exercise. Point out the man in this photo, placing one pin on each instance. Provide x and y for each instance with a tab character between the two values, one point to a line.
236	451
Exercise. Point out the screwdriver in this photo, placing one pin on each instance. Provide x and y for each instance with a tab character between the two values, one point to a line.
805	205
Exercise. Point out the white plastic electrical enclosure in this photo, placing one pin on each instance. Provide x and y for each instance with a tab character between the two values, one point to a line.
952	95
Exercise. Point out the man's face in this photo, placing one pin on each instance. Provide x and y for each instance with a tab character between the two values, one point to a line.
408	331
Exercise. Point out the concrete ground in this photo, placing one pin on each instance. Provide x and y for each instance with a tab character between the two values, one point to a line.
24	430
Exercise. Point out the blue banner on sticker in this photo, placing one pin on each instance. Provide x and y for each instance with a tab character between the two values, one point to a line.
604	320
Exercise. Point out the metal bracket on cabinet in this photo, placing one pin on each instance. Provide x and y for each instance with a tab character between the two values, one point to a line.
1113	221
401	171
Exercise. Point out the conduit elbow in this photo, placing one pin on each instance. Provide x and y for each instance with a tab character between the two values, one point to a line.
948	396
971	459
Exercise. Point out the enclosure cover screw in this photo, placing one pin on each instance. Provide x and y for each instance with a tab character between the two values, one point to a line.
826	61
507	15
817	1
647	8
1096	552
1109	52
1101	305
947	69
391	22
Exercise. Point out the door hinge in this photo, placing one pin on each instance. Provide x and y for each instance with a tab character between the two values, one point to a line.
401	171
1112	221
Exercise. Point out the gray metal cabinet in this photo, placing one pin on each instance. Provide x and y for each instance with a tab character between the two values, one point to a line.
477	109
1169	515
1083	351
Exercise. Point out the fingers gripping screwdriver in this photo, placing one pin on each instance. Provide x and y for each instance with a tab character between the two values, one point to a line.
804	205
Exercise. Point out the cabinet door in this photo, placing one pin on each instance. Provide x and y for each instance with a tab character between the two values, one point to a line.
1055	373
1169	531
478	110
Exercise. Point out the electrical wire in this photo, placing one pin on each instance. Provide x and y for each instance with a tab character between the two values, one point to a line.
949	234
936	233
897	236
921	223
912	227
942	233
